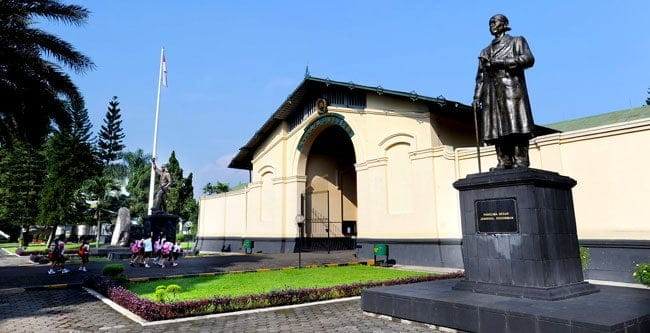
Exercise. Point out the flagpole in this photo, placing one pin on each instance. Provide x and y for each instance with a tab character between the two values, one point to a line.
152	181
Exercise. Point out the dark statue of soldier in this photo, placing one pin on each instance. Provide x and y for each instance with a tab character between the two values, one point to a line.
506	120
165	181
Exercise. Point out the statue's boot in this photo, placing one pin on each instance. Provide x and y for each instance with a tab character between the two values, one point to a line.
504	155
521	155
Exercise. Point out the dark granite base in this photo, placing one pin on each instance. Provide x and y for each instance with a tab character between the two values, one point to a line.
161	224
613	309
549	293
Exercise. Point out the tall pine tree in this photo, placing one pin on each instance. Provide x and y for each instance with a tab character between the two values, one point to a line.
70	161
81	125
105	188
21	176
111	135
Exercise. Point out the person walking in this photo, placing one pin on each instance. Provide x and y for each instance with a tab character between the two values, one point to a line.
54	254
148	250
176	252
166	251
158	250
57	255
84	254
136	252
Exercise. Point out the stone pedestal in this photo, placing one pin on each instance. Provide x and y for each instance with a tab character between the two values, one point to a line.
161	223
519	235
522	266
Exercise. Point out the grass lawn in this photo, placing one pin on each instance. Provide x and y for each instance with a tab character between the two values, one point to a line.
264	282
12	247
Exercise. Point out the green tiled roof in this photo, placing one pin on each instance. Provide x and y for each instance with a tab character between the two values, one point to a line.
602	119
239	187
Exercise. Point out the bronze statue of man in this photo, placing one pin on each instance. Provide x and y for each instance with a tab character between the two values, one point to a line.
164	182
506	120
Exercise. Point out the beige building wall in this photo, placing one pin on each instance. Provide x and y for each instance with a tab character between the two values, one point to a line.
610	164
219	210
405	177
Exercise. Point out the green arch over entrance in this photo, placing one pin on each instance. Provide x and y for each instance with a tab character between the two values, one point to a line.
327	119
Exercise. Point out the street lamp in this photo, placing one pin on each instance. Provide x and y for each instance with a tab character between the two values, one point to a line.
300	221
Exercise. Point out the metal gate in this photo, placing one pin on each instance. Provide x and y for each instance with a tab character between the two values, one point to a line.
320	233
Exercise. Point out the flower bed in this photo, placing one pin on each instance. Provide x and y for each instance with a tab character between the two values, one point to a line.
152	311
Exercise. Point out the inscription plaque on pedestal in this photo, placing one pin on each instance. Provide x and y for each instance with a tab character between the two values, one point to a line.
496	216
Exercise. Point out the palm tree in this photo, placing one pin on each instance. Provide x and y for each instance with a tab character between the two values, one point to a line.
33	83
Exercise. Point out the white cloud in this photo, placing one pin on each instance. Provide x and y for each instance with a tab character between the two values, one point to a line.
218	171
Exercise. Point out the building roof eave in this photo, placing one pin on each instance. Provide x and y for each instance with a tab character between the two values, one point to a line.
245	155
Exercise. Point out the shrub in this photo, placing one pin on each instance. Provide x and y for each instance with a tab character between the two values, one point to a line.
162	292
116	273
173	288
180	237
112	270
159	294
585	257
642	273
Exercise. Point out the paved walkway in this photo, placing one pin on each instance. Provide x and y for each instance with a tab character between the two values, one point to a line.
30	300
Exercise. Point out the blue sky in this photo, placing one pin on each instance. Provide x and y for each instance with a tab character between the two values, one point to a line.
232	63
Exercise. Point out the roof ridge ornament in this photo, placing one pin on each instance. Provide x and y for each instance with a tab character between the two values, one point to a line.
414	96
441	100
379	90
307	74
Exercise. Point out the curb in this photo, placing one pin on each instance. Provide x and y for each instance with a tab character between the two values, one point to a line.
6	252
74	285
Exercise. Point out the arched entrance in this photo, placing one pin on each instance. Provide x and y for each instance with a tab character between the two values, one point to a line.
330	199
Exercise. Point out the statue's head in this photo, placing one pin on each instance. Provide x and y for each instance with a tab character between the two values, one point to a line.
499	24
165	166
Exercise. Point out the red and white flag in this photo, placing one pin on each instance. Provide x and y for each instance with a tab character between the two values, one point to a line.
164	70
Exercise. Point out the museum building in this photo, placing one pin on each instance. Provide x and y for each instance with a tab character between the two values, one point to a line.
342	166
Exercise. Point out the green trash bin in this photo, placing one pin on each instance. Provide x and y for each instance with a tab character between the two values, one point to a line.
380	250
248	246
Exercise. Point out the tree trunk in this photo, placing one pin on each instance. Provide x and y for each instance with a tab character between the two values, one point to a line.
98	223
52	234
